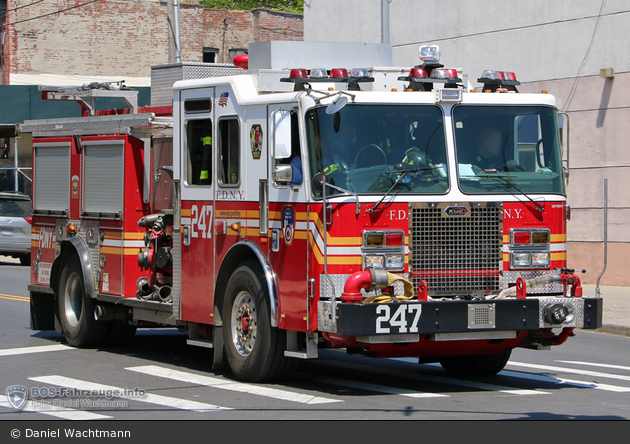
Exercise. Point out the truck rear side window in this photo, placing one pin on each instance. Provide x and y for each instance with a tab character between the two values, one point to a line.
199	145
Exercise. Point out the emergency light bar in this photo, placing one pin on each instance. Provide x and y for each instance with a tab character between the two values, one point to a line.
494	81
320	75
421	78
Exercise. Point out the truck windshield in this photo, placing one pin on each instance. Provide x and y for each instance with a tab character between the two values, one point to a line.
511	149
375	148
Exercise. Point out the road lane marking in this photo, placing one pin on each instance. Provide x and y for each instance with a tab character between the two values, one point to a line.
56	411
35	349
370	387
224	384
596	364
15	298
149	397
571	370
571	382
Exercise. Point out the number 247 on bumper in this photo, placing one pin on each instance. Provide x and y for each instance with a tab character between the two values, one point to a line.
406	317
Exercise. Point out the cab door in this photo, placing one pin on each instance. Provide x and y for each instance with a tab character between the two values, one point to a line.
197	134
288	215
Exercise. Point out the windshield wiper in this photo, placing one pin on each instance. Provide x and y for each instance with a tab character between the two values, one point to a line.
404	173
503	179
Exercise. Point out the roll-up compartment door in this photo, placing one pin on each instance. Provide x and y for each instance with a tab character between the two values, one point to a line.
51	172
103	177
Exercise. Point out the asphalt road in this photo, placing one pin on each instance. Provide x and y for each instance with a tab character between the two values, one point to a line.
157	377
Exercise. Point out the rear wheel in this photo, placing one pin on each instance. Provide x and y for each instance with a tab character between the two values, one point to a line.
476	365
76	309
253	348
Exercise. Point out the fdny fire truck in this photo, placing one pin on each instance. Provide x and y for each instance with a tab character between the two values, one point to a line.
271	213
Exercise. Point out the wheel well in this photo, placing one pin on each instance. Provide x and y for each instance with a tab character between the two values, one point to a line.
237	256
67	249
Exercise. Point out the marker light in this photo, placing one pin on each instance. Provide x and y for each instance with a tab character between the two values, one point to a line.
394	239
429	53
319	73
444	73
521	237
358	72
338	72
298	74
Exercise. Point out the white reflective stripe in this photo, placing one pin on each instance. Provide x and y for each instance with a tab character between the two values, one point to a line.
186	220
554	248
123	243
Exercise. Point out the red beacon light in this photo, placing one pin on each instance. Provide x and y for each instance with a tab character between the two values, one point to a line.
298	73
418	73
339	73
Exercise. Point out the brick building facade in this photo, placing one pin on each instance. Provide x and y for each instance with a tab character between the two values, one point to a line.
126	37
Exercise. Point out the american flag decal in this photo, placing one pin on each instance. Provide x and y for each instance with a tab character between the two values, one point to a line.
224	99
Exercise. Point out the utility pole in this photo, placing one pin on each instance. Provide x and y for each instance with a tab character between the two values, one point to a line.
174	48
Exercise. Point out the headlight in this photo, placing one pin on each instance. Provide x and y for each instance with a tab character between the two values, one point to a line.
521	259
374	261
394	261
540	259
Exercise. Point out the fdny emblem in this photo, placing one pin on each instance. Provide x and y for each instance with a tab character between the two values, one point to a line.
17	396
456	211
288	224
256	139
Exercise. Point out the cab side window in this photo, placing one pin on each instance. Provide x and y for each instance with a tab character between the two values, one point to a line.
229	152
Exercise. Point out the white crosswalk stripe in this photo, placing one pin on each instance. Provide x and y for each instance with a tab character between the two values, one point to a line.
597	364
225	384
371	387
568	382
166	401
570	370
53	410
35	349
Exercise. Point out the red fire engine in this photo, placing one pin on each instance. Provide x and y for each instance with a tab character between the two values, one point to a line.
277	212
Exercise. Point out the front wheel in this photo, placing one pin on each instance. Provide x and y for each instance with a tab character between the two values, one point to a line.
476	365
76	309
253	348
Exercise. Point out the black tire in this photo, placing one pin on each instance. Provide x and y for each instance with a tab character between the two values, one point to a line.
254	350
76	309
476	365
25	260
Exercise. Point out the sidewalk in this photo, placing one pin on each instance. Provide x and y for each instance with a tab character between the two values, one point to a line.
616	317
615	320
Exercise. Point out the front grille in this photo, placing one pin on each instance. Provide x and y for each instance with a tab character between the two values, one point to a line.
456	254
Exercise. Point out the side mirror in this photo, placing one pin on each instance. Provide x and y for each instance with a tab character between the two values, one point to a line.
283	174
317	183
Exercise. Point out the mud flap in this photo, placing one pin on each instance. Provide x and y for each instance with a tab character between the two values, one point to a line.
42	311
218	362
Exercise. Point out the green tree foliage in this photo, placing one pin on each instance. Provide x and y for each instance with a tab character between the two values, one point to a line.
296	6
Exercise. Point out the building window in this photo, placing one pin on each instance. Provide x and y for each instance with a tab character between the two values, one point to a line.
210	55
